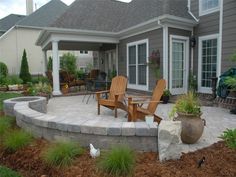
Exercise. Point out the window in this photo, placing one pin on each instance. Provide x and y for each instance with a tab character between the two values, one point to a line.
137	53
208	6
208	62
83	52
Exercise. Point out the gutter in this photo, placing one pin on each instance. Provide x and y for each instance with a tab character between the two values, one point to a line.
189	11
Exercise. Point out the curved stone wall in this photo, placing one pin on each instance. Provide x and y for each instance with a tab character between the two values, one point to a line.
30	115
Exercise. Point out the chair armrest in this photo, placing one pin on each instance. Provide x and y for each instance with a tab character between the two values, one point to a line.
144	101
104	91
121	93
138	96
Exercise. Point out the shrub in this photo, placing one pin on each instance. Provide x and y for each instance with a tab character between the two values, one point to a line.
13	80
38	79
49	65
119	161
3	69
7	172
80	74
229	136
61	154
24	70
5	124
16	139
68	63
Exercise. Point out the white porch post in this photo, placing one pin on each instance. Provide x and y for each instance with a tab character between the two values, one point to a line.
55	68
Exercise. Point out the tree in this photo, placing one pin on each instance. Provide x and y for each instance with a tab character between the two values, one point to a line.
68	63
49	66
24	69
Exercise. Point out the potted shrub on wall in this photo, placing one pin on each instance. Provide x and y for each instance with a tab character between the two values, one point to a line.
189	113
166	96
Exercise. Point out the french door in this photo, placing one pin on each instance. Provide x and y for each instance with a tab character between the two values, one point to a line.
137	70
179	56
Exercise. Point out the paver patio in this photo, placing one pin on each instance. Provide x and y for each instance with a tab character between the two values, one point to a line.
72	109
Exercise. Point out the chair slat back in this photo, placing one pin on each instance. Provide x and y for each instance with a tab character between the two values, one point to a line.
157	93
118	85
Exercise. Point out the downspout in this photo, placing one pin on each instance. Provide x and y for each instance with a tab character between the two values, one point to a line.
189	11
220	37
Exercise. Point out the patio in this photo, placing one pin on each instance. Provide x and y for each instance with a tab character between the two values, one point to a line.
72	109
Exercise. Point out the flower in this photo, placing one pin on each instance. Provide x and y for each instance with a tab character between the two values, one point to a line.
66	86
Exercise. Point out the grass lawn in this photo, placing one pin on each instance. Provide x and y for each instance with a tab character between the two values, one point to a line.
4	96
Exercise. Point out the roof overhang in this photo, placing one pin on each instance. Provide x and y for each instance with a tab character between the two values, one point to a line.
62	34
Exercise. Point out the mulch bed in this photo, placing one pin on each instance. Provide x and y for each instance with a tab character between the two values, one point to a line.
220	161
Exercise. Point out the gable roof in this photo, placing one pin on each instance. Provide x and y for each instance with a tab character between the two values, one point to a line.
114	16
45	15
9	21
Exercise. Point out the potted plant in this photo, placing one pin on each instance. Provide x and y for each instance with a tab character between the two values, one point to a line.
189	113
65	89
166	96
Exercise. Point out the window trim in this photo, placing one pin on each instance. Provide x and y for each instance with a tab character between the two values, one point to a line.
200	39
208	11
136	43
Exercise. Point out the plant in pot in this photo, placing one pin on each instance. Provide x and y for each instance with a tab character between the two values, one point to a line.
166	96
188	111
65	89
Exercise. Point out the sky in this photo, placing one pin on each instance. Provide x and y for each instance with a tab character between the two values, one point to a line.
18	6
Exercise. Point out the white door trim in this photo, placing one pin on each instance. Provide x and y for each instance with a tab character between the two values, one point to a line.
186	58
200	39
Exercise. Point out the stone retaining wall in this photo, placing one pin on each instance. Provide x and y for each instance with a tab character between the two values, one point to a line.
30	115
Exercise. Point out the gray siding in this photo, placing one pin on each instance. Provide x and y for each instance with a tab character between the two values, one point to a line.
229	34
194	7
155	38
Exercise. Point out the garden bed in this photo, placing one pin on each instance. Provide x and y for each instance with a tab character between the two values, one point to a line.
220	161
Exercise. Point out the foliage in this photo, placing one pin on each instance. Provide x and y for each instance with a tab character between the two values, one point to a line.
187	104
231	82
36	89
4	96
38	79
3	69
5	124
233	56
192	83
61	154
229	136
13	80
154	63
24	69
119	161
7	172
112	74
16	139
80	74
68	63
49	65
166	92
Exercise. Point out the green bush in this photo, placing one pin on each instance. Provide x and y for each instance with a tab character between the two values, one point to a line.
7	172
80	74
68	63
119	161
61	154
229	136
24	69
3	69
38	79
231	82
5	124
16	139
49	65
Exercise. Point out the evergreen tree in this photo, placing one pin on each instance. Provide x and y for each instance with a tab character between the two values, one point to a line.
24	69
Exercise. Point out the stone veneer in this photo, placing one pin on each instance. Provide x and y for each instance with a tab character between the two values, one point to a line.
30	115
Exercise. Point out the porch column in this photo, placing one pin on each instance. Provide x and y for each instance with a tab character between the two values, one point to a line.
117	56
55	68
45	62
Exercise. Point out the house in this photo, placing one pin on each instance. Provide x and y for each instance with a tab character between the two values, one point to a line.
192	36
9	21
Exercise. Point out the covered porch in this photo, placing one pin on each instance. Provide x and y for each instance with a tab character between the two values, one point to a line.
103	45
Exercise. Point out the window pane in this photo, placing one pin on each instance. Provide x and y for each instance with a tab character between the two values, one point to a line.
209	4
142	74
209	61
132	74
132	55
142	56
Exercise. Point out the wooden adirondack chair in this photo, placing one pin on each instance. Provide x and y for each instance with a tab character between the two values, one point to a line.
135	109
116	95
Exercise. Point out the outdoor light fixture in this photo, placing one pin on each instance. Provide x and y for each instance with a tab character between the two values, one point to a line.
192	41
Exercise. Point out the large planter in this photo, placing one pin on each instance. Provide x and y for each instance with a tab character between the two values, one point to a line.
192	127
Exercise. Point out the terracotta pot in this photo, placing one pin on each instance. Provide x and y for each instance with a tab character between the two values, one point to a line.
192	127
65	90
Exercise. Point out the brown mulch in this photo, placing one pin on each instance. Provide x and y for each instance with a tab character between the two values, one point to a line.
220	161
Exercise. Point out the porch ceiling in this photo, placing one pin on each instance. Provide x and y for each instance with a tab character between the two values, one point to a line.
90	46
